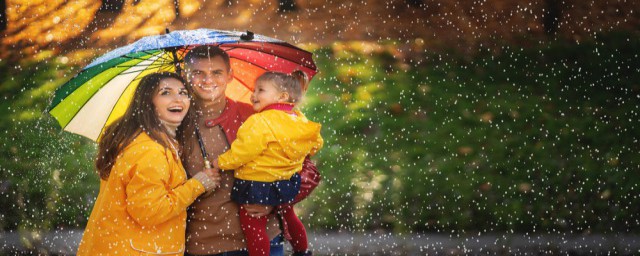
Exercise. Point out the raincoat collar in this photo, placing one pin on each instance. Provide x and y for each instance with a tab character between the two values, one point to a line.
286	107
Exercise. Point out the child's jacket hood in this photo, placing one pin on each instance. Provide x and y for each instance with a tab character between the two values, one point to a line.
294	132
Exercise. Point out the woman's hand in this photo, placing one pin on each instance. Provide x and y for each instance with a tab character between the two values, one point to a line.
258	210
210	179
214	175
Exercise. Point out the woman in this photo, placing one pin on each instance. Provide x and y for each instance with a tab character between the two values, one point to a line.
144	191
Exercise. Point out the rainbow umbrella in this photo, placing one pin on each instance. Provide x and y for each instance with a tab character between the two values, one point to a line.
102	91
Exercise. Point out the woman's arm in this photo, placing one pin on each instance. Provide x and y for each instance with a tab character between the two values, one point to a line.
150	199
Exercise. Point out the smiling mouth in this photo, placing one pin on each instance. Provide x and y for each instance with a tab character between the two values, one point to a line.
208	88
175	109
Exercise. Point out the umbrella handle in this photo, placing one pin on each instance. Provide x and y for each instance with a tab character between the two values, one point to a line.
207	165
203	150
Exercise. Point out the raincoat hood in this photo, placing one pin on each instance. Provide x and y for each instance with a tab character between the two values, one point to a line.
294	132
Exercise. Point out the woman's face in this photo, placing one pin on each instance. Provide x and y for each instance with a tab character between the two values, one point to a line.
171	100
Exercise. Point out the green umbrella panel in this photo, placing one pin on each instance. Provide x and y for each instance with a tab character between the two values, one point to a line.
101	94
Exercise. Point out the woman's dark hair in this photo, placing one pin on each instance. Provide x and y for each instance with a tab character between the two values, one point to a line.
140	116
187	130
294	84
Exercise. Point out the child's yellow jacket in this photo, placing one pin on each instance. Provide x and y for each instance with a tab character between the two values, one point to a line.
142	207
271	146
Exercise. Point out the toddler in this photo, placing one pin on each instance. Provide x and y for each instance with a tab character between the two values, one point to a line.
267	156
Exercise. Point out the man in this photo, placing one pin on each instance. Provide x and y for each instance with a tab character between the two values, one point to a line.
213	227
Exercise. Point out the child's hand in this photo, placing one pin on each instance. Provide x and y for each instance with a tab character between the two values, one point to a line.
215	164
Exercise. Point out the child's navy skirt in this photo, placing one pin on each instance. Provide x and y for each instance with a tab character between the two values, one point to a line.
266	193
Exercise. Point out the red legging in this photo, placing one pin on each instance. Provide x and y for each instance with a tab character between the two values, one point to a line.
255	231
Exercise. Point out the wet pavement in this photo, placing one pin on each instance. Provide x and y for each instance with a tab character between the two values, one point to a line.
65	242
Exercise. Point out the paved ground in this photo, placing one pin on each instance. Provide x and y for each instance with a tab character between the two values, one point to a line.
65	242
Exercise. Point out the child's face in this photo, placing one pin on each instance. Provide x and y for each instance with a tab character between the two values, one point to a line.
266	93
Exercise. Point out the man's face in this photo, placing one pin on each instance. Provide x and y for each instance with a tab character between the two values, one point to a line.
208	78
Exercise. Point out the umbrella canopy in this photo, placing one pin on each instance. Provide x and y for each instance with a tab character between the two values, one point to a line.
102	91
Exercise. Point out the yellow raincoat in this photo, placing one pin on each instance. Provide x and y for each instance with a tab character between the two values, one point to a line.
271	146
142	208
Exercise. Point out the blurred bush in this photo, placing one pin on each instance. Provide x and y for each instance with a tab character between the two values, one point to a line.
46	176
542	139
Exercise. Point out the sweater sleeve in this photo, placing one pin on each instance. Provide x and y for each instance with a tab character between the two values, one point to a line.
250	142
150	200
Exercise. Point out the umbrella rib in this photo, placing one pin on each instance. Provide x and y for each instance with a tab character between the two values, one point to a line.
162	57
88	100
149	53
244	84
295	62
261	67
133	66
142	69
85	103
179	60
138	58
133	71
249	63
121	93
153	65
150	65
184	54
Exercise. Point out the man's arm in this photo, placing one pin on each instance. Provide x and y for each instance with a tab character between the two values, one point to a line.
310	179
258	210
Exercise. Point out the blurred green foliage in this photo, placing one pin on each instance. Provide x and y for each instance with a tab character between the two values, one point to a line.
46	177
543	139
540	139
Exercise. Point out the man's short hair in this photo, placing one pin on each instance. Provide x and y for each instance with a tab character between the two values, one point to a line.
207	52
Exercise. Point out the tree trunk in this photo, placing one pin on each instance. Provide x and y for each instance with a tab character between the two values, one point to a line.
287	6
176	6
3	15
415	3
552	16
112	5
